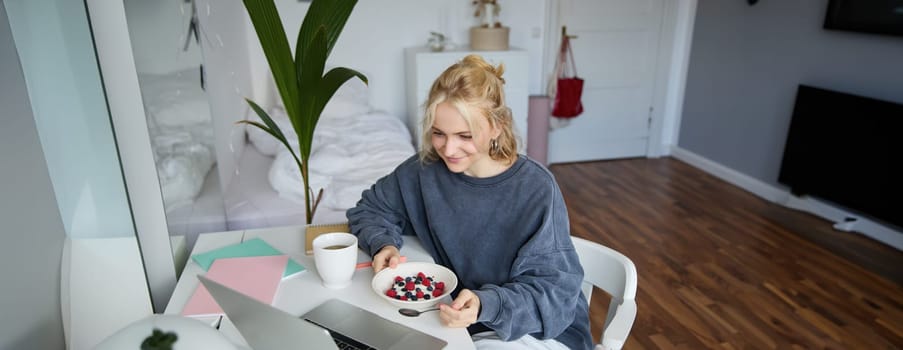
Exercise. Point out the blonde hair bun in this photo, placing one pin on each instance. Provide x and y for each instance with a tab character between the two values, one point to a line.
477	61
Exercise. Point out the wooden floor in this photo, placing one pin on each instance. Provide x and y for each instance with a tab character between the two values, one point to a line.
721	268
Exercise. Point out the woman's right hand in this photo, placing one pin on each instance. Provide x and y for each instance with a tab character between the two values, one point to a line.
388	256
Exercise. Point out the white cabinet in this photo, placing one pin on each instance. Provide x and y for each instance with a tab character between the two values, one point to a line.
424	66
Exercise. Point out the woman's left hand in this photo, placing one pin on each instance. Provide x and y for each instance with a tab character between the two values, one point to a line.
462	312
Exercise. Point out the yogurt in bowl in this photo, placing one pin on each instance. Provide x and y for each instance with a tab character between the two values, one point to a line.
414	285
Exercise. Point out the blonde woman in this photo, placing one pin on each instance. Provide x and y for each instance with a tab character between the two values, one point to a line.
494	217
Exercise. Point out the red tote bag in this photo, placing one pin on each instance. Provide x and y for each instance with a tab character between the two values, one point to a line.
568	87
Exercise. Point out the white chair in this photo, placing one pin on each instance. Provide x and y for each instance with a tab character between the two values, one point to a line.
615	274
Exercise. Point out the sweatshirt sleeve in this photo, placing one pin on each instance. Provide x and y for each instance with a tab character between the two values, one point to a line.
544	285
378	218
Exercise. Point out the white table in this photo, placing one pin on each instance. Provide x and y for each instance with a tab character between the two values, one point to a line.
301	293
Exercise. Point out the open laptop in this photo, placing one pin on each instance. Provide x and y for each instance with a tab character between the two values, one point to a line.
333	324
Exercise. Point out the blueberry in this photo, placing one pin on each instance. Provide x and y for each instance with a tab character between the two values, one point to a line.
407	279
429	288
426	297
414	298
417	289
398	297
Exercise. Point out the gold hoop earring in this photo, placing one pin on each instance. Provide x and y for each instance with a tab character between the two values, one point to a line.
494	147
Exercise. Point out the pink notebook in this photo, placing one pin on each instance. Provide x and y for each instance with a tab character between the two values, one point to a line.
255	276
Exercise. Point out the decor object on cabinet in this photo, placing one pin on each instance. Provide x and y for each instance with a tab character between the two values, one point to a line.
490	35
437	42
423	67
488	12
303	87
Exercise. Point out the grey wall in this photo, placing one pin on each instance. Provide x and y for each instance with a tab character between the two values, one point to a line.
32	231
745	65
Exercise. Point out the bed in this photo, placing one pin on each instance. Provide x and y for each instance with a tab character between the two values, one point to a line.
354	145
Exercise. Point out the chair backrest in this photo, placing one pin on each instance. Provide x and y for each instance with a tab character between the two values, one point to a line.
614	273
607	269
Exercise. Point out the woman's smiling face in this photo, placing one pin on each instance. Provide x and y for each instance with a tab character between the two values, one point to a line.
460	148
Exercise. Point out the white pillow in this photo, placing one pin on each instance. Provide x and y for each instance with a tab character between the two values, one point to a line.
285	178
267	145
352	98
175	98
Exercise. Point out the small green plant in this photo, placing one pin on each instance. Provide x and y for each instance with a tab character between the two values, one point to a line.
303	87
158	340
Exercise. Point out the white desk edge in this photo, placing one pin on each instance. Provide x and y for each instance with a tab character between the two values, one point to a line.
290	240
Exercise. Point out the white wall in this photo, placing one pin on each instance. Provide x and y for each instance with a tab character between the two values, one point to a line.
32	229
375	36
161	27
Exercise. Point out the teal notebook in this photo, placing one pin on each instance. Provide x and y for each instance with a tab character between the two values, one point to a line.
251	247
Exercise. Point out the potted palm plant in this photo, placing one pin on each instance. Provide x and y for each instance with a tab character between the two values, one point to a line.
301	82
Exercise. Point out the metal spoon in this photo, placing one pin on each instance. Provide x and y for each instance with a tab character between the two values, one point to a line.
414	313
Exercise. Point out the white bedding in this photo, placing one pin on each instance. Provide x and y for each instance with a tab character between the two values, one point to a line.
178	118
251	202
349	155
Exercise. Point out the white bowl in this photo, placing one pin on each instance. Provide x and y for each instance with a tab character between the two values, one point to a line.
386	278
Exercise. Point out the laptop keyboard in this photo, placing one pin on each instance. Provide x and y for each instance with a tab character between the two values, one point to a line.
343	342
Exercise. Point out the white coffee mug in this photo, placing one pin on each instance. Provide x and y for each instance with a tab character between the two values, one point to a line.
335	254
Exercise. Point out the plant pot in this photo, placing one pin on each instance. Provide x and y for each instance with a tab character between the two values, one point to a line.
489	39
313	230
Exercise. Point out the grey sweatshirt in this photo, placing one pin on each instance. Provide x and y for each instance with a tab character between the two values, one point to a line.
506	237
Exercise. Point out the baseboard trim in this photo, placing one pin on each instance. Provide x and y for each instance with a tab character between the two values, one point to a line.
746	182
783	197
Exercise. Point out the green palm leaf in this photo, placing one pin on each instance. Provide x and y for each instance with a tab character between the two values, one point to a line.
311	75
270	126
272	38
331	15
331	83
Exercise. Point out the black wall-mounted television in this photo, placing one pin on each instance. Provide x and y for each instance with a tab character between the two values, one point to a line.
872	16
848	150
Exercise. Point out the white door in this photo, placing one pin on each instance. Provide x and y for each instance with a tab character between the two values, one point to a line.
615	52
